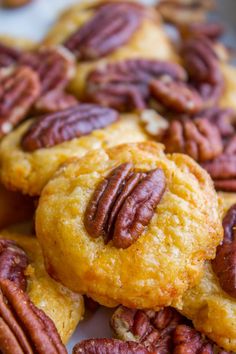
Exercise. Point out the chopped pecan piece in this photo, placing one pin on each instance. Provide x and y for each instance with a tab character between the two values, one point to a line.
8	55
177	96
223	118
56	128
55	67
198	138
125	85
109	346
23	327
123	204
152	329
112	26
13	262
224	264
19	88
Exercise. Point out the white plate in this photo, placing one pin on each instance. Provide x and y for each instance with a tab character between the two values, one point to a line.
32	22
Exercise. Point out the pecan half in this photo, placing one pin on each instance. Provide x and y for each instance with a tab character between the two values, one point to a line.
109	346
188	340
112	26
125	85
223	118
54	65
23	327
19	88
224	264
198	138
55	101
211	30
56	128
177	96
203	67
123	204
13	262
152	329
8	55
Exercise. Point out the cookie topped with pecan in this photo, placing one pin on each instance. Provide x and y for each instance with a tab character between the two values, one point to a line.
134	226
211	305
31	154
99	32
31	302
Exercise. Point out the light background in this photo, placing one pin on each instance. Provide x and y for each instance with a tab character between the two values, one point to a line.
33	22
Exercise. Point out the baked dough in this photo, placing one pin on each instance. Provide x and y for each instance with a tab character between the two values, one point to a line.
212	311
167	258
149	41
60	304
28	172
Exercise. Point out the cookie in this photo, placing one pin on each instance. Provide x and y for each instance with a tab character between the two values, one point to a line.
29	170
129	225
213	310
62	306
14	207
137	32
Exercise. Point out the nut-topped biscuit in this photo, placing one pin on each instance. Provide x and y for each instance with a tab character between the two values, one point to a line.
31	154
131	224
62	306
211	305
123	29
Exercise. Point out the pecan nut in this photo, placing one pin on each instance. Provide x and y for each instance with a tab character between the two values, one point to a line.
13	262
19	88
56	128
54	101
8	55
112	26
125	85
123	204
188	340
224	264
23	327
223	118
176	96
211	30
198	138
55	67
109	346
152	329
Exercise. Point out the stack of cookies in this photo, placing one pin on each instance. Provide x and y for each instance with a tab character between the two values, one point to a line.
118	181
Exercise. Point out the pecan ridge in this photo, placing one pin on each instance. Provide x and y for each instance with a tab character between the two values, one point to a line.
112	26
56	128
123	204
19	88
23	327
13	262
125	85
224	264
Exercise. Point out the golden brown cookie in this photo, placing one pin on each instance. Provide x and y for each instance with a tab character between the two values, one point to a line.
147	40
211	309
60	304
28	171
129	248
14	207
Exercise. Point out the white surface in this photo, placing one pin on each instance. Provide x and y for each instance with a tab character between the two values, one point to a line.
33	22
